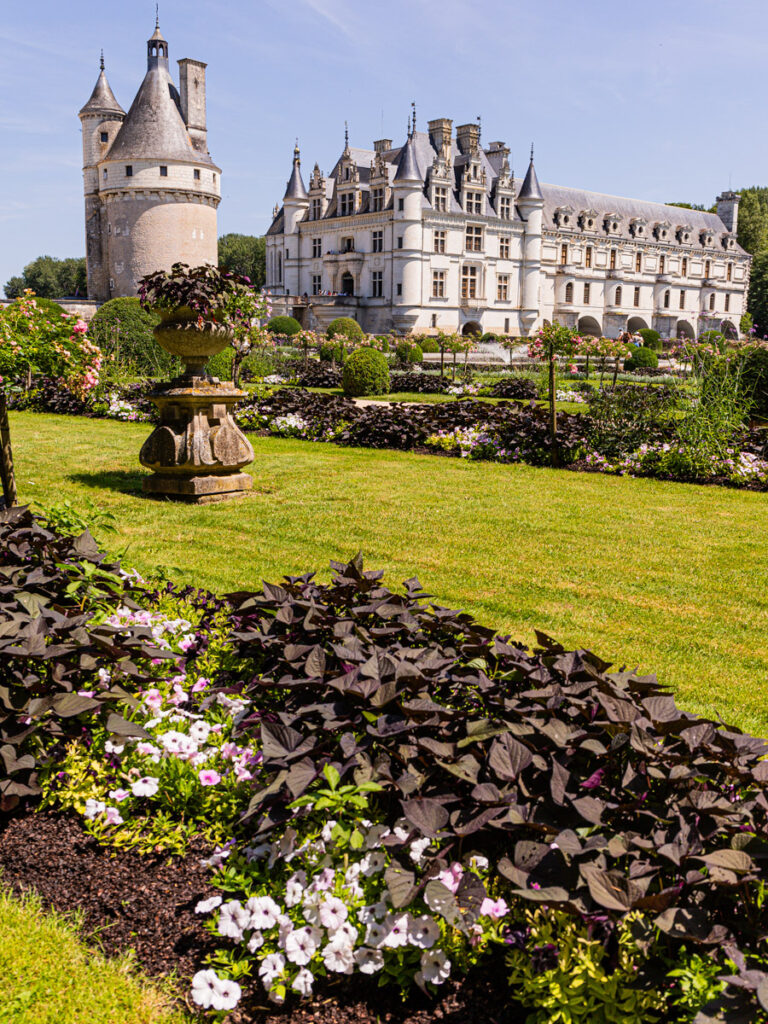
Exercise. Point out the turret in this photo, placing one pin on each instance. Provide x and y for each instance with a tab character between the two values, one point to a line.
530	203
192	101
407	193
295	206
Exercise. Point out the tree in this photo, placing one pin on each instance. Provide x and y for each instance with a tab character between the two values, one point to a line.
51	278
244	255
695	206
758	293
752	232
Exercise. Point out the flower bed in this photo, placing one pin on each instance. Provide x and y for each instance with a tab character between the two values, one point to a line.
392	790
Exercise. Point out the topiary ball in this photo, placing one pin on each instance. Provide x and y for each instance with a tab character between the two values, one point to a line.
429	345
365	373
284	325
402	351
651	338
640	358
123	332
415	355
347	326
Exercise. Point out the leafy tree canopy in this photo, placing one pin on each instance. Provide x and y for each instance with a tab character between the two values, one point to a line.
695	206
244	255
753	219
51	278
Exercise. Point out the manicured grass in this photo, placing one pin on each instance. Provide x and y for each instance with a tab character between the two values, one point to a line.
670	577
51	977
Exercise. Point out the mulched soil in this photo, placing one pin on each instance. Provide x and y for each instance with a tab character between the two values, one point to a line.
146	903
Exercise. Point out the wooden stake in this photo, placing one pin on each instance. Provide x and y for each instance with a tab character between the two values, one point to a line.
6	457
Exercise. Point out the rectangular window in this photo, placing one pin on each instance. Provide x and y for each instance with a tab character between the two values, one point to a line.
588	256
474	238
377	200
441	198
377	284
502	288
727	303
474	202
399	241
434	319
563	255
439	241
105	136
682	300
197	174
469	282
638	263
637	297
612	263
729	272
506	325
399	289
504	247
347	245
401	204
438	284
505	208
712	301
662	264
316	284
129	171
163	172
684	268
666	299
104	174
317	247
377	241
707	268
586	294
316	209
347	204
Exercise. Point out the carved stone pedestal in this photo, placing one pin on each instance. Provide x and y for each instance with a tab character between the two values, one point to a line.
197	451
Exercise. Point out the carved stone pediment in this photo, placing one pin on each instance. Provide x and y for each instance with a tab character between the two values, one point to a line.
588	219
661	230
612	222
684	233
638	227
563	216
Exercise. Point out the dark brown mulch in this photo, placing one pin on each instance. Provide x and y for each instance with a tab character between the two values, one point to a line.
145	903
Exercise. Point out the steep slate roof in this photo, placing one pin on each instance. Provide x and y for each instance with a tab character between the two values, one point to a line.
295	187
102	98
556	196
407	165
530	188
154	128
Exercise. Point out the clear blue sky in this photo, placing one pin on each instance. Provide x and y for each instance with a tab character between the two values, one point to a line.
662	99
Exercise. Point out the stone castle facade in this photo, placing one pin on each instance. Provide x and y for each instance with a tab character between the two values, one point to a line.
436	234
151	187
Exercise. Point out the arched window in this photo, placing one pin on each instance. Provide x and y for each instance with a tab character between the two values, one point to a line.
712	301
618	297
569	292
666	299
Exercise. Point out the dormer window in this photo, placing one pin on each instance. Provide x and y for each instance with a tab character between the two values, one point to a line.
346	204
684	233
611	223
440	198
377	200
562	216
315	209
346	174
474	202
661	229
637	227
706	238
505	208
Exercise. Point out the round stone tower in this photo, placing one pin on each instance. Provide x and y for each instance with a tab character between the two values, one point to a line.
151	187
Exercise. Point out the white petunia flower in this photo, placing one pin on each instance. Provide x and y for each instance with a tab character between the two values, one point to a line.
373	912
271	967
264	912
257	852
146	786
217	858
435	966
323	881
372	863
227	995
311	907
255	942
376	933
397	931
114	748
339	958
480	863
301	944
424	931
294	888
148	750
112	816
417	849
369	960
303	982
206	906
94	807
234	918
328	830
204	988
199	732
285	927
345	930
332	912
178	744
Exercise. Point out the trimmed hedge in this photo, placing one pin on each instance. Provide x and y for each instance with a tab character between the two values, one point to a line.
345	325
416	354
641	357
285	326
651	338
365	373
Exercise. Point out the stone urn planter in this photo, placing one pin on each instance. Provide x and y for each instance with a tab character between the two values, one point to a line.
197	451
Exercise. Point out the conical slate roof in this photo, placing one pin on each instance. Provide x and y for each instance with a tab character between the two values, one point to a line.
102	98
154	128
408	167
295	187
530	188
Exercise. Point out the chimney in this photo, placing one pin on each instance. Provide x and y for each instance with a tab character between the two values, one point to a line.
382	145
468	138
192	98
728	209
440	131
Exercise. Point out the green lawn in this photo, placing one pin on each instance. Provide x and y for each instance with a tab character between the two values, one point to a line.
670	577
50	977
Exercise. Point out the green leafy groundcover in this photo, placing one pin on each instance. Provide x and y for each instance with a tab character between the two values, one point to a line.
393	789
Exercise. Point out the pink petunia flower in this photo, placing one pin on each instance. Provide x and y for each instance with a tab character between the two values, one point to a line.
209	777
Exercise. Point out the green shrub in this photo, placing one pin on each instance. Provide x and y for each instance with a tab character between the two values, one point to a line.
50	307
365	373
123	332
330	353
220	365
651	338
755	380
641	357
416	354
489	336
429	345
383	340
285	326
347	326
